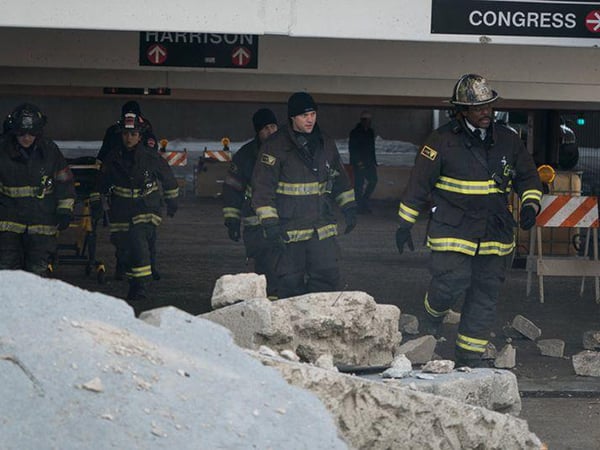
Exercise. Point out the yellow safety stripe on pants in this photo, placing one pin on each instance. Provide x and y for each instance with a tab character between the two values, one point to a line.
327	231
66	203
432	312
407	213
266	212
471	344
232	213
531	194
146	218
314	188
345	197
468	187
251	221
94	196
452	245
171	193
119	227
45	230
323	232
140	272
495	248
23	191
126	192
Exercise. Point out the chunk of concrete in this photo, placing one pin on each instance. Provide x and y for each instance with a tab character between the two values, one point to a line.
438	366
419	350
348	325
377	415
526	327
409	324
230	289
507	358
587	363
452	318
551	347
401	367
490	351
591	340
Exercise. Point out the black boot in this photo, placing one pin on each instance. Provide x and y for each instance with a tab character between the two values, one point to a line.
464	358
137	297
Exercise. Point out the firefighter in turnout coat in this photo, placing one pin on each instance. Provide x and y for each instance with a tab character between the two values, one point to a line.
37	193
467	168
129	178
298	179
237	195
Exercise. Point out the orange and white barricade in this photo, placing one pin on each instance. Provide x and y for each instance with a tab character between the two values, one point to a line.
218	155
175	158
565	211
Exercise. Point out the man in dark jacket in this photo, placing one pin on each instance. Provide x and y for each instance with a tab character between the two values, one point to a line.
129	178
361	147
468	168
237	196
297	180
37	192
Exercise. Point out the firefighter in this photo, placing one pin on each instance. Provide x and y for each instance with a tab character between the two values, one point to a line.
37	193
237	195
361	146
297	180
129	178
468	168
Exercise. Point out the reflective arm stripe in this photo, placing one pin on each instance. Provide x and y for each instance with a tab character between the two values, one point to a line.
126	192
314	188
15	227
23	191
468	187
407	213
232	213
471	344
345	197
171	193
531	194
266	212
66	203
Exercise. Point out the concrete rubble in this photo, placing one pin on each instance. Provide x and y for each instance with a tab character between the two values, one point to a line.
401	367
230	289
506	358
591	340
350	326
409	324
452	318
587	363
438	366
526	327
551	347
419	350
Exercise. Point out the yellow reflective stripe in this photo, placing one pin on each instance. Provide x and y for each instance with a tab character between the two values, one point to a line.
266	212
248	192
20	191
94	196
250	221
471	344
314	188
452	245
15	227
171	193
46	230
232	213
430	310
116	227
531	194
140	272
495	248
468	187
146	218
126	192
327	231
299	235
66	203
345	197
407	213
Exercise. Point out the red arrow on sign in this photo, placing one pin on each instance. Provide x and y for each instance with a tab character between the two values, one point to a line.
157	54
240	56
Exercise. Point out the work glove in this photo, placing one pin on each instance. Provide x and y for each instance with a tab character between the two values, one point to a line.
527	217
233	229
63	221
403	237
171	208
350	219
274	237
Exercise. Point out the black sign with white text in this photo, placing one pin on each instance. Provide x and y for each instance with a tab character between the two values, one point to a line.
230	51
550	18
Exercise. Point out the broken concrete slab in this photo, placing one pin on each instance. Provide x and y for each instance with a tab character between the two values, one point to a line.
526	327
452	318
438	366
230	289
348	325
587	363
506	358
409	324
591	340
375	415
419	350
551	347
79	371
401	367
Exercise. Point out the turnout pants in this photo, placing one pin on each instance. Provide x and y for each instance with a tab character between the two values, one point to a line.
364	175
264	256
477	278
308	266
25	251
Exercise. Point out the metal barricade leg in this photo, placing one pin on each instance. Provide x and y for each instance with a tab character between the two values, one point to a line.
540	276
530	258
585	254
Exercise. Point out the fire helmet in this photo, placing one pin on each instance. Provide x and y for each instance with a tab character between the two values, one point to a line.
472	90
26	119
132	122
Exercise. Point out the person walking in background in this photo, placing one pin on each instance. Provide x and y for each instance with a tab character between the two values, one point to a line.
298	178
468	168
361	146
237	197
37	193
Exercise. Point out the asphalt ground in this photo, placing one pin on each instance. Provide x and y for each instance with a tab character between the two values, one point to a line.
563	409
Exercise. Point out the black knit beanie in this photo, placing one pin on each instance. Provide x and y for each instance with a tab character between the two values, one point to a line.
262	118
300	103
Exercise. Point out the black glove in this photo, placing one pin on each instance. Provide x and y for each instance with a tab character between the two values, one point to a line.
274	237
350	219
171	208
233	229
63	221
527	217
403	237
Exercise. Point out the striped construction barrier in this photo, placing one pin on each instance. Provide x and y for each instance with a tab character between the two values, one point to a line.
175	158
218	155
565	211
